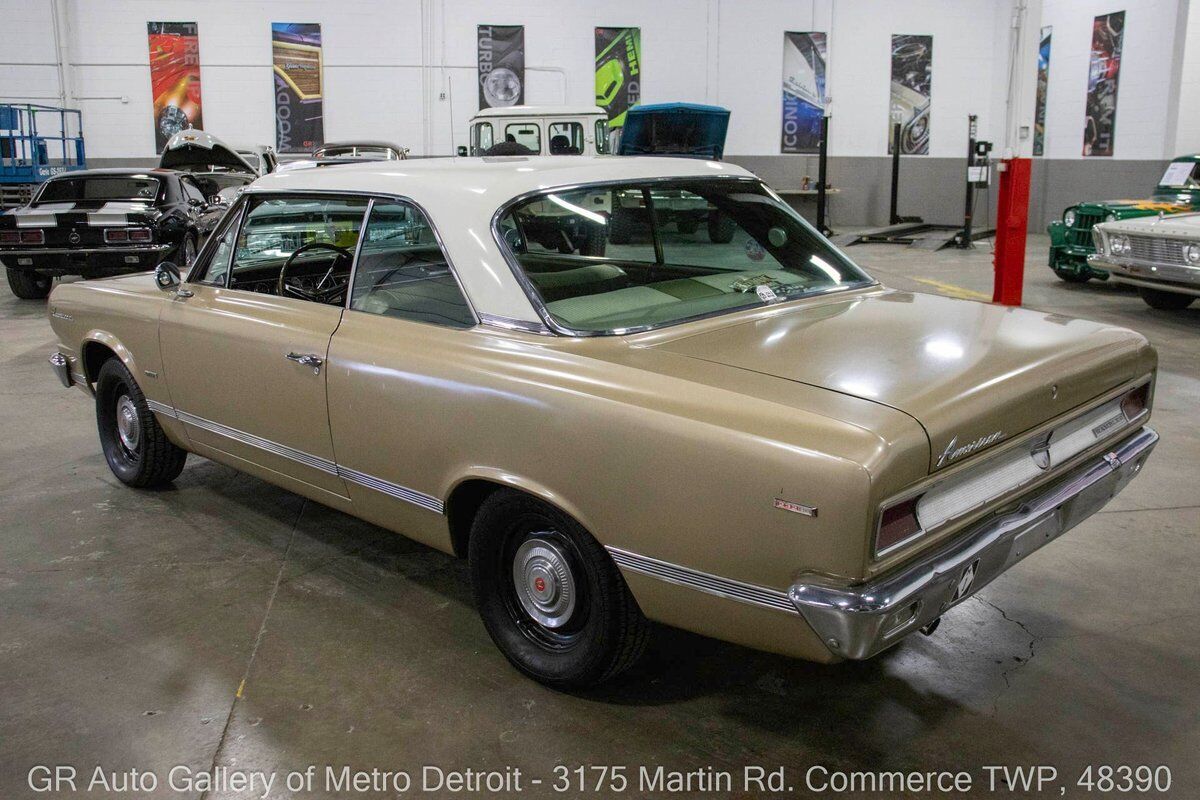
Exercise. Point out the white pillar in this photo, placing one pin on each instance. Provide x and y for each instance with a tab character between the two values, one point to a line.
1024	36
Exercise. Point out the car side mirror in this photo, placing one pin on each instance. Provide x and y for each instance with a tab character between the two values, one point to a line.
166	276
195	201
462	150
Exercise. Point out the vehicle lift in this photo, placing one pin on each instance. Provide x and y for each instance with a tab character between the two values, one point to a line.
28	156
914	231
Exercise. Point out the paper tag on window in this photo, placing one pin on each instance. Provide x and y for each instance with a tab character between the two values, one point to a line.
766	294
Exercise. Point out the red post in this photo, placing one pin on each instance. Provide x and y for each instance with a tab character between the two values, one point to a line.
1012	218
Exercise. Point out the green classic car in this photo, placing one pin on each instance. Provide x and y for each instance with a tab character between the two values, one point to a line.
1071	237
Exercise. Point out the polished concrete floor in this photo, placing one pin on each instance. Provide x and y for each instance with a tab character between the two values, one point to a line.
224	622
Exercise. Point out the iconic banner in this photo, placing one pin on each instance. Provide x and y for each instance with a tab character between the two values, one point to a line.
501	59
618	71
1099	130
174	78
299	103
1043	83
912	77
803	91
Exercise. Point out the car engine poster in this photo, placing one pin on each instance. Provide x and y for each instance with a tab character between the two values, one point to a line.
1043	83
618	71
299	101
174	78
803	91
501	60
1104	69
912	75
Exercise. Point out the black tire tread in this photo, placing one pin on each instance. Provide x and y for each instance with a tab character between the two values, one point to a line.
162	461
1165	301
28	285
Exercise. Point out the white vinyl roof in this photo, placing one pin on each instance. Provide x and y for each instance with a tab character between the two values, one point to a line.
462	195
540	111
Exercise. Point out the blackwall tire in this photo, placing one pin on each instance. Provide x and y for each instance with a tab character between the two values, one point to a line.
1165	301
721	228
620	226
1072	277
550	596
29	285
134	444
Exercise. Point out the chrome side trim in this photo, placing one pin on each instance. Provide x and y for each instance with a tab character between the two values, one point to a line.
703	581
266	445
511	324
420	499
395	490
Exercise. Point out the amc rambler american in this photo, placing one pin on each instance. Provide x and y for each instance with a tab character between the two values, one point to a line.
746	436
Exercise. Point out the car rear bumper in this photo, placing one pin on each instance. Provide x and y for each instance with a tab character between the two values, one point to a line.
860	621
85	260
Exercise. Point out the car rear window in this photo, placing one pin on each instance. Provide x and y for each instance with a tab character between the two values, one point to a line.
106	187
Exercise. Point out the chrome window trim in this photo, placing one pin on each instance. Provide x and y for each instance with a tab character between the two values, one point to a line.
231	218
708	583
411	496
547	318
512	324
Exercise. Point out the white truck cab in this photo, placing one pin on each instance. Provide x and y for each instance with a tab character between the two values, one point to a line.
544	130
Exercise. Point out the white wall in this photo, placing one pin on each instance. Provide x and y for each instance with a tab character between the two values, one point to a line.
1187	121
719	51
1143	96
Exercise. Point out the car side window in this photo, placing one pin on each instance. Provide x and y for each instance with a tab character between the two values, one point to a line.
213	267
566	139
191	191
528	134
483	137
402	271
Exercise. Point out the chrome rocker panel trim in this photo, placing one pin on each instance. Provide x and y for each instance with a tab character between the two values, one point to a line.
860	621
702	581
412	496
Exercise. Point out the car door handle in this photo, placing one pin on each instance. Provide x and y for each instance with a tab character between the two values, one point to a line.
307	359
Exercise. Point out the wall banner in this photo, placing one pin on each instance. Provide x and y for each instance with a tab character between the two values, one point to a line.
500	54
299	99
1043	83
1100	127
803	92
174	78
618	71
912	79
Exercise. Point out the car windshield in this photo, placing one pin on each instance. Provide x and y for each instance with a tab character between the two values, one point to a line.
609	259
106	187
365	152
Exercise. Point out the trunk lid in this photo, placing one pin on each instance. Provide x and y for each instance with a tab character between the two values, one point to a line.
972	374
81	223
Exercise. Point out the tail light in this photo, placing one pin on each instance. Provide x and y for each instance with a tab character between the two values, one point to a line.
10	237
37	236
1134	403
898	524
112	235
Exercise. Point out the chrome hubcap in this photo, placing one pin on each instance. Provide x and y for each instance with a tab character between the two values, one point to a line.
128	427
544	582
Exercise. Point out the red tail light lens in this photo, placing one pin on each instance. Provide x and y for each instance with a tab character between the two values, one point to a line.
897	524
139	234
10	237
1134	403
33	237
116	235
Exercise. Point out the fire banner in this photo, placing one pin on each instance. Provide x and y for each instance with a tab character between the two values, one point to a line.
174	78
618	71
299	100
803	91
500	55
912	80
1100	127
1043	84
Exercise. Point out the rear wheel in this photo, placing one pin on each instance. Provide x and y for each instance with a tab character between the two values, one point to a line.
721	228
28	285
687	224
620	226
1165	301
134	444
550	596
187	253
1072	277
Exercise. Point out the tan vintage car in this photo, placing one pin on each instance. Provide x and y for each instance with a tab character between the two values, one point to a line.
751	439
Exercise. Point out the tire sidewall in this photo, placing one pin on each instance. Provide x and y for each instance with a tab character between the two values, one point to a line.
112	382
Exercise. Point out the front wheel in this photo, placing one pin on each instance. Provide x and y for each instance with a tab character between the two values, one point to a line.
1165	301
550	596
28	285
1072	277
134	444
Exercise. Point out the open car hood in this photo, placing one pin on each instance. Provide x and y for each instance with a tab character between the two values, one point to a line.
194	151
968	372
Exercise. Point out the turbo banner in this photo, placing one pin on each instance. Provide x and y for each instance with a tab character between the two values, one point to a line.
1100	128
803	91
1043	83
500	55
299	101
912	78
174	78
618	71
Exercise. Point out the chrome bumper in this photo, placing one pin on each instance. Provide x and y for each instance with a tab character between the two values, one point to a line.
1181	278
87	251
860	621
62	368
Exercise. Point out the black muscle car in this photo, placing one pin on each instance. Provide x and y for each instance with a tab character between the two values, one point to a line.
99	223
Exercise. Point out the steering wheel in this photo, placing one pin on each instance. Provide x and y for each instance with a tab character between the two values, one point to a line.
321	293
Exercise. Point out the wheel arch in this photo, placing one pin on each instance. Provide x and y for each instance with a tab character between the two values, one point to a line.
98	347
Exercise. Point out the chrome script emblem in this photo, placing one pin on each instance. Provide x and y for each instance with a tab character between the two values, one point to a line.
965	581
954	451
795	508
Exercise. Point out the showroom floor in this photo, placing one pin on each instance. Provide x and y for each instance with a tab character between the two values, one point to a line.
228	622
